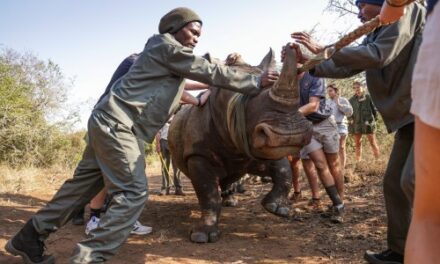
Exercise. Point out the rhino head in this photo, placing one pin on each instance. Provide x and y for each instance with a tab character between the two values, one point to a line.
274	127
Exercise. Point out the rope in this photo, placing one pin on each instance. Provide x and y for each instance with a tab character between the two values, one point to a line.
328	52
164	166
236	122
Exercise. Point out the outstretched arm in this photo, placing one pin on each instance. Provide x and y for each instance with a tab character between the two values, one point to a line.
392	10
182	62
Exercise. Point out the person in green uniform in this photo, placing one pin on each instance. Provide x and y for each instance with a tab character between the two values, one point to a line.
387	55
363	120
136	107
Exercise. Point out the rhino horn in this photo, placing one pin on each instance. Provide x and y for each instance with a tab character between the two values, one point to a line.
285	90
268	61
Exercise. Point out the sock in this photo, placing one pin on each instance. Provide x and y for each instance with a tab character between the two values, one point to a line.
333	194
95	212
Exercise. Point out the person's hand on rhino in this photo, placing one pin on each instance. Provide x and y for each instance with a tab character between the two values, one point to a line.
300	57
268	78
310	43
233	59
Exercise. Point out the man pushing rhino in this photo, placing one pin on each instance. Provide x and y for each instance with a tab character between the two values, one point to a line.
137	106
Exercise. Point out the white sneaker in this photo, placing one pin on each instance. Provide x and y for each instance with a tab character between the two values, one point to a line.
139	229
92	224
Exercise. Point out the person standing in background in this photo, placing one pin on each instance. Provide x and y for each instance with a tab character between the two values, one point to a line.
341	109
165	156
363	120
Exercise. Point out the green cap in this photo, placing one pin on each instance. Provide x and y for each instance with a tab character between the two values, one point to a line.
176	19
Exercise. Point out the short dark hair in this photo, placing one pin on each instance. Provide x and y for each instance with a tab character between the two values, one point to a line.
333	87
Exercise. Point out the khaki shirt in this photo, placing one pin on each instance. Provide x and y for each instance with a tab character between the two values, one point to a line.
148	94
387	55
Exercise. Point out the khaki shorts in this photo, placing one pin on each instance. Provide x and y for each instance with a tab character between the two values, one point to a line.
325	136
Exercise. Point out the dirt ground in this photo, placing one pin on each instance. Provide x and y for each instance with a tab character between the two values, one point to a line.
249	233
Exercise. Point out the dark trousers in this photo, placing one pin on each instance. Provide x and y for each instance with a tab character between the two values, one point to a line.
166	160
399	188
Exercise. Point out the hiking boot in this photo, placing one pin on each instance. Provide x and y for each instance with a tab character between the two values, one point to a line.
28	245
139	229
179	191
78	219
385	257
337	214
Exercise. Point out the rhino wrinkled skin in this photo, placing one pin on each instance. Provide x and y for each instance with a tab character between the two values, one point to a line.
204	150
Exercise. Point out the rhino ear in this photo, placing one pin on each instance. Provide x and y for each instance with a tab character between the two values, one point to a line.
268	61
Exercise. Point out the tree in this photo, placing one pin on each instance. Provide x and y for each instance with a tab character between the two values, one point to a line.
31	91
342	7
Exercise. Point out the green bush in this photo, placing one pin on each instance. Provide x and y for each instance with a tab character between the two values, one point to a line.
31	91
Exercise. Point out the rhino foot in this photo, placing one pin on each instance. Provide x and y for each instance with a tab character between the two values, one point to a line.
204	237
229	201
277	209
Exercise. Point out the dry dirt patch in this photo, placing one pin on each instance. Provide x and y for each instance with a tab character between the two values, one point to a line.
249	233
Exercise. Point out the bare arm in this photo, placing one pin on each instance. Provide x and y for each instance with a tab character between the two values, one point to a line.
311	107
392	10
158	142
187	98
344	106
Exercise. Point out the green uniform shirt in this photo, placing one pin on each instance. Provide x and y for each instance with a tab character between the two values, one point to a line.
150	92
388	56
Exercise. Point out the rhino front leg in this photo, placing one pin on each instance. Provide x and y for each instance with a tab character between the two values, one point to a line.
276	200
205	180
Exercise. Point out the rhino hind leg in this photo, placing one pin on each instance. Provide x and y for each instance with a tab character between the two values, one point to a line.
204	179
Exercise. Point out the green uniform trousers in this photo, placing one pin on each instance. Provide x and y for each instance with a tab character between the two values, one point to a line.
399	188
114	156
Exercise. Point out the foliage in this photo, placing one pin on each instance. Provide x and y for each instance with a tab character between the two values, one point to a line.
342	7
31	91
345	87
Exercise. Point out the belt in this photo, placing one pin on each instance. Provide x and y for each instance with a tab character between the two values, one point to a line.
319	121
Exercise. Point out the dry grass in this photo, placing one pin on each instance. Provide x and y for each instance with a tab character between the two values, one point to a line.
30	179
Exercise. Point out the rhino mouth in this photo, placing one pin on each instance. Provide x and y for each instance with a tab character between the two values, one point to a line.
265	136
